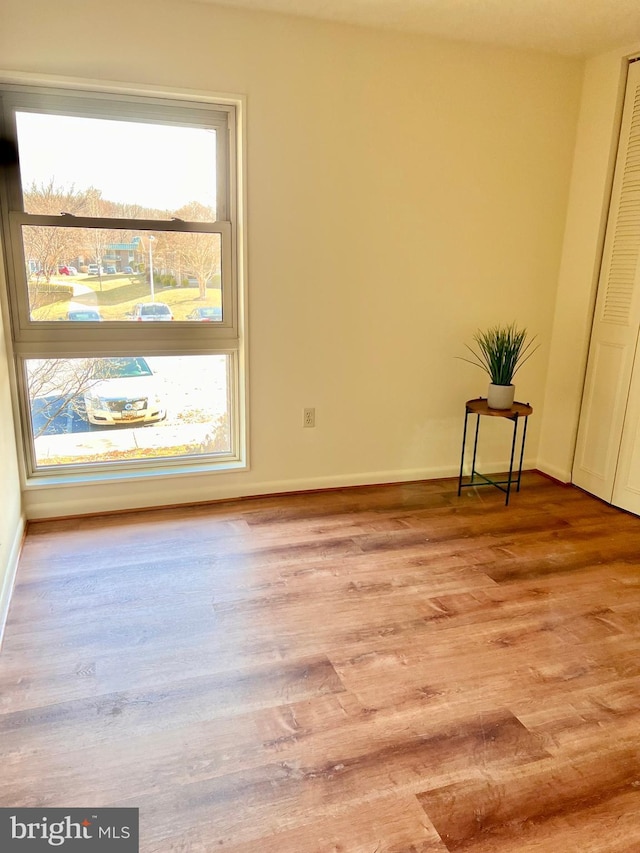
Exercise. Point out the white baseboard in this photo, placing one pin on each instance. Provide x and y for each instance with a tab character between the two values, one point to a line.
8	574
560	474
54	503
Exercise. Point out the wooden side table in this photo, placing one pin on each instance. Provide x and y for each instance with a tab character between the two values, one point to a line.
480	408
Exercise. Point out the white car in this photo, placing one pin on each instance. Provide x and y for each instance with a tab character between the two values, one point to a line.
123	391
151	312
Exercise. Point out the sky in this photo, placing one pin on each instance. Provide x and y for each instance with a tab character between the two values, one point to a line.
154	165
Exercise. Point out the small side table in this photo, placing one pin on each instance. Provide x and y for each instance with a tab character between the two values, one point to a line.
479	407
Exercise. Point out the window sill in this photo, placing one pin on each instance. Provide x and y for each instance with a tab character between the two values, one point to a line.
102	477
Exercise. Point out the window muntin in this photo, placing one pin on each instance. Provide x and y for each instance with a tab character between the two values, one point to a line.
77	329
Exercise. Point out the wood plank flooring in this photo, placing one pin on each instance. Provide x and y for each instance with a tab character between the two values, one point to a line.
377	670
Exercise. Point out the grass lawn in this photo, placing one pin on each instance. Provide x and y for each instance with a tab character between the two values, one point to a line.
120	293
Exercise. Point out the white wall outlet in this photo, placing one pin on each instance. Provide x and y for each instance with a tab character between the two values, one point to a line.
309	418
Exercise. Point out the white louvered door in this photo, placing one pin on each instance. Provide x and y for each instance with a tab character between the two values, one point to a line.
626	487
612	389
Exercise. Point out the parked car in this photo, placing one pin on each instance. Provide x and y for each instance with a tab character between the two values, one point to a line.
150	311
111	270
128	270
206	314
84	315
94	269
123	390
64	270
72	270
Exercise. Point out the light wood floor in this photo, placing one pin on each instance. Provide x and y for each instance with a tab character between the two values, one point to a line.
378	670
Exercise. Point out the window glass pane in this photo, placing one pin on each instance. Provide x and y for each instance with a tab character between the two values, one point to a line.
110	168
86	274
123	409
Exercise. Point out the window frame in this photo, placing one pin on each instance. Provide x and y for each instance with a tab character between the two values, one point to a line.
53	339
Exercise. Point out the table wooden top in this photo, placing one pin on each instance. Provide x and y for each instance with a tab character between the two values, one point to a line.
479	406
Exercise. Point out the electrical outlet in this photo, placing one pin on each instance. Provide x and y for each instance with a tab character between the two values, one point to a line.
309	418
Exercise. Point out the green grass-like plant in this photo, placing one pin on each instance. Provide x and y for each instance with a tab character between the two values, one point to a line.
501	351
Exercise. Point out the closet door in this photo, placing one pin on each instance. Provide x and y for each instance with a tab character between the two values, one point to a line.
617	318
626	488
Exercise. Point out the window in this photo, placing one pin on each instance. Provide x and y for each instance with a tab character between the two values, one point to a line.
118	217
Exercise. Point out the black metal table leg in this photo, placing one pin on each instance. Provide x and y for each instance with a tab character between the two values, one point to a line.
513	449
475	450
524	438
464	442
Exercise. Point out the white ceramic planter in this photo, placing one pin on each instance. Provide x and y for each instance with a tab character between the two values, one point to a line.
500	396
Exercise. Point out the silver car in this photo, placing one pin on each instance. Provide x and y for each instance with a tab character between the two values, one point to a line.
151	311
123	391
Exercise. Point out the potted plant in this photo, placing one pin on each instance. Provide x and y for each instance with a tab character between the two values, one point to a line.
501	351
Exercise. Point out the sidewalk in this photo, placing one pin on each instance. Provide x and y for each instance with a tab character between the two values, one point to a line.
178	440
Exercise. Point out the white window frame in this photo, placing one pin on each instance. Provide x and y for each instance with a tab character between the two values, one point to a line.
37	339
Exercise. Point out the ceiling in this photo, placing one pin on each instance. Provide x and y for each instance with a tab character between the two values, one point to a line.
570	27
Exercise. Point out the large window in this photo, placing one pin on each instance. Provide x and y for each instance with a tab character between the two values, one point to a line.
118	218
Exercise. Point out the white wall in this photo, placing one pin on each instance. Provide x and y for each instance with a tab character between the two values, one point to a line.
11	517
594	160
402	192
